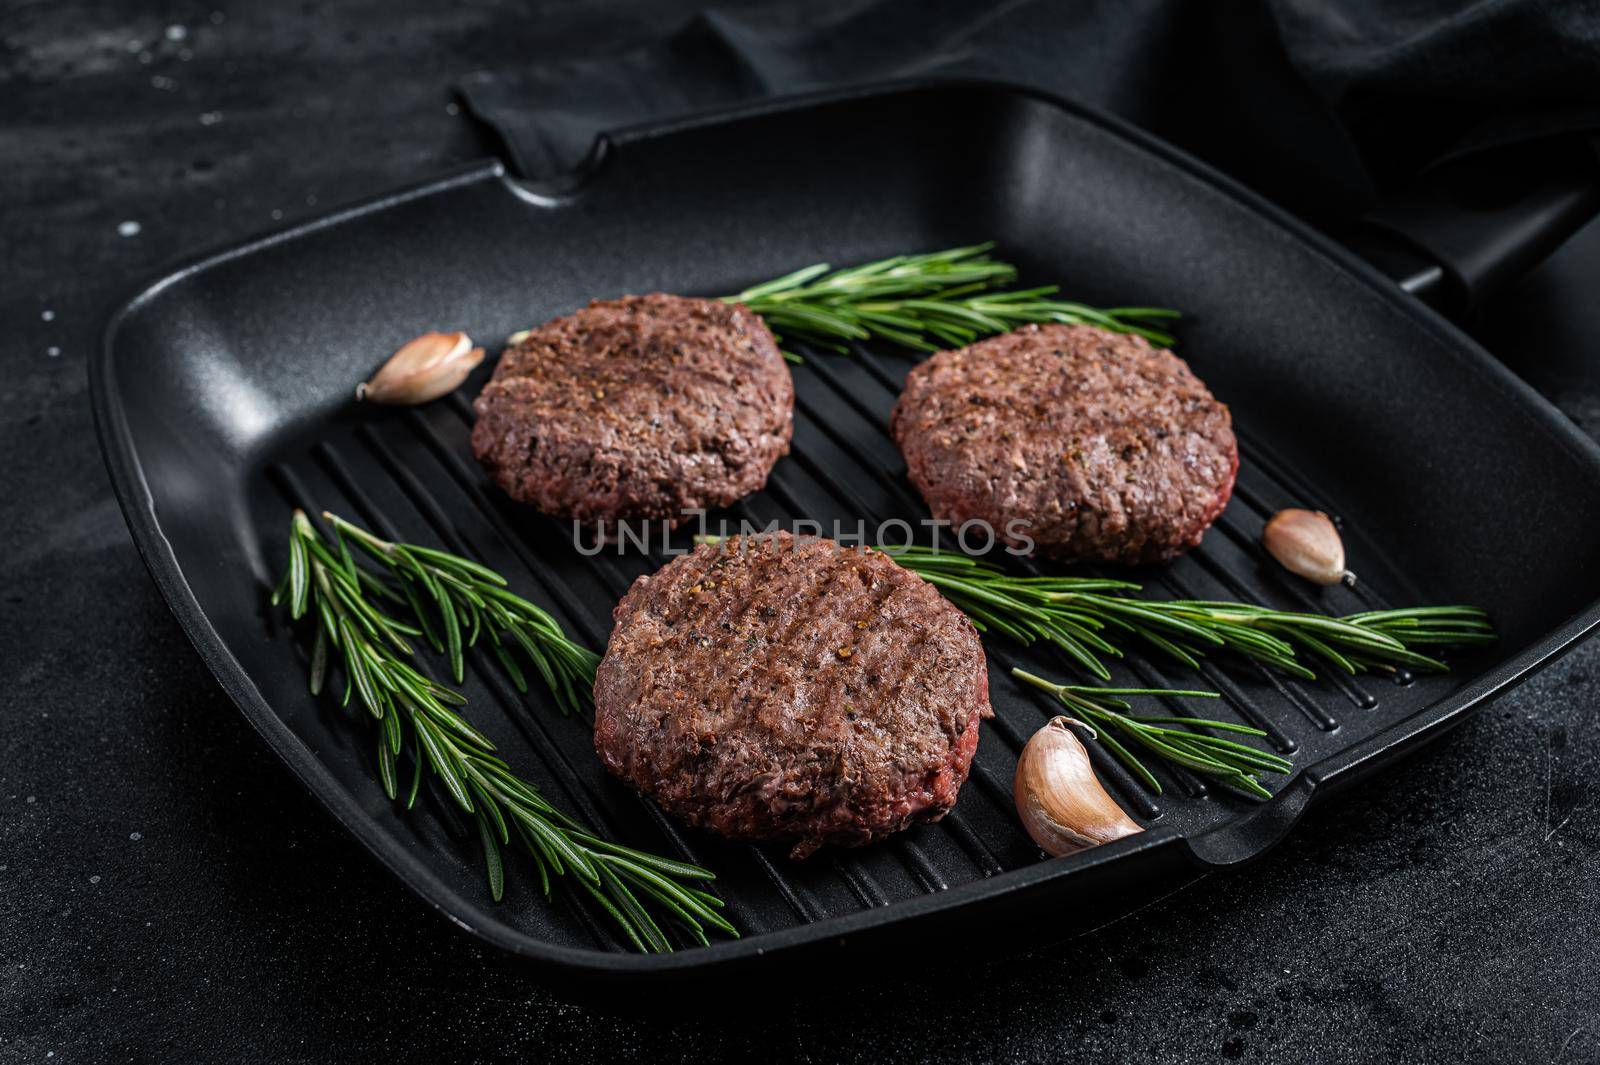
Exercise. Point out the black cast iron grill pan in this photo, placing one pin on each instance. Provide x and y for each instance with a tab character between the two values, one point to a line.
223	398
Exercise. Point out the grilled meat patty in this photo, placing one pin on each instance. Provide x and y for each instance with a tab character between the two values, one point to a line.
775	688
1094	445
639	408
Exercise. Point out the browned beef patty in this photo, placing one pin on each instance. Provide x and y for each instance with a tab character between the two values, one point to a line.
774	688
640	407
1094	445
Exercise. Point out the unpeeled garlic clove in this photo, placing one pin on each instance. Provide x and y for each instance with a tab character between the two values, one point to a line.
432	365
1306	543
1059	799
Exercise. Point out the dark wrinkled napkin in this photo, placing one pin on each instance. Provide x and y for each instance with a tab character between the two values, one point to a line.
1321	106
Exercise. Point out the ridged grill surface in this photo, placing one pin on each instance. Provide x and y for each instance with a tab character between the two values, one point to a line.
408	474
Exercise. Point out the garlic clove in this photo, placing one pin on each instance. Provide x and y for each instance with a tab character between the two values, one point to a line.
1306	543
430	366
1060	801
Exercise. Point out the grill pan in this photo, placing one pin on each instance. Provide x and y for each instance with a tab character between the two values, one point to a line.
222	396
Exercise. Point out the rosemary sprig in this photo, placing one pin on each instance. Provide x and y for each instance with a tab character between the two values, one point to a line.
1172	739
943	298
1082	615
413	711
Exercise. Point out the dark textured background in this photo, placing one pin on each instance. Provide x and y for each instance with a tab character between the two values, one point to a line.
167	893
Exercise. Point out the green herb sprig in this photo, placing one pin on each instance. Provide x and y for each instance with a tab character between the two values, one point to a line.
943	298
417	713
1172	739
1083	615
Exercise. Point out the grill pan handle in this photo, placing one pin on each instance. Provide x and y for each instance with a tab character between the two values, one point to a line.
1469	227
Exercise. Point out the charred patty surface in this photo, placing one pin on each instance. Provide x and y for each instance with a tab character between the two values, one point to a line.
1096	444
637	408
774	688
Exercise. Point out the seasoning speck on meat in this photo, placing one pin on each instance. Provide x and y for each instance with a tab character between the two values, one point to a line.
1092	444
637	408
776	688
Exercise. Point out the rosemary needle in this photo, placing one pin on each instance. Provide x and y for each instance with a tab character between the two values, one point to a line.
944	298
416	714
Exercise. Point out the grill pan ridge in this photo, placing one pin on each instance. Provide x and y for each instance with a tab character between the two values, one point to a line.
222	399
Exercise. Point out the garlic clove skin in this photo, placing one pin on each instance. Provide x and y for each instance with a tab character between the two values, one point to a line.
425	368
1060	801
1306	543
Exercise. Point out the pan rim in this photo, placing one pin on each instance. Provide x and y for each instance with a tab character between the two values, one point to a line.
137	503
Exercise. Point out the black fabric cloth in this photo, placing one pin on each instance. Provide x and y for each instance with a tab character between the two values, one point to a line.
1319	105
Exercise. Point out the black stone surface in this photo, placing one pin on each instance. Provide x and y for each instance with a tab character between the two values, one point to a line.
167	893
